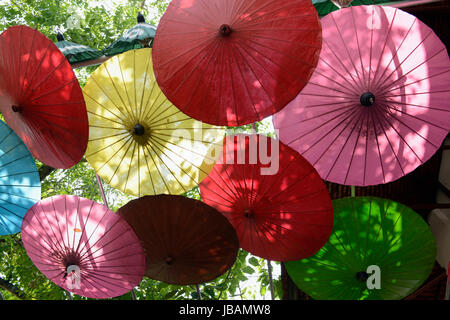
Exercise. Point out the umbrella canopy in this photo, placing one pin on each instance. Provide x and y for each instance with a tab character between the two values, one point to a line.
280	207
235	62
140	36
377	105
324	7
68	233
75	52
186	241
20	186
139	142
368	232
40	97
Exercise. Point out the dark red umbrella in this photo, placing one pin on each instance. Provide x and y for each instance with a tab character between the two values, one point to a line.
279	206
40	97
186	241
235	62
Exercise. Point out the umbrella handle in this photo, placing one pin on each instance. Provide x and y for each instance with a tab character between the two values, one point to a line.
100	185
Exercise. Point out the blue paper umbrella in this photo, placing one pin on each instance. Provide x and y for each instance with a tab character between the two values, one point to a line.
20	186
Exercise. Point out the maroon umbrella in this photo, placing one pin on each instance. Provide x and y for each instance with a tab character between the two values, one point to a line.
186	241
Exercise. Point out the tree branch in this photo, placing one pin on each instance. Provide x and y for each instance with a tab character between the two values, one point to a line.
12	288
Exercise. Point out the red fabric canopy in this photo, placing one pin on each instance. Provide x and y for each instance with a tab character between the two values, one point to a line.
41	99
283	214
235	62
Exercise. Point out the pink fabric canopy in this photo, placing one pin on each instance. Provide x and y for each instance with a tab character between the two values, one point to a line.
377	105
83	247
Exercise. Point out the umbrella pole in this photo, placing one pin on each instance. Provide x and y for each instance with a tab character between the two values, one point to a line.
105	202
199	296
69	295
353	191
100	185
269	269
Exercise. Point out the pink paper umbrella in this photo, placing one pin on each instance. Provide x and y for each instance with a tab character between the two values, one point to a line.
377	106
83	247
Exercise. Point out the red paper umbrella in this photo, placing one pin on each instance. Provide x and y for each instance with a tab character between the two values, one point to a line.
83	247
41	99
186	241
377	106
274	198
235	62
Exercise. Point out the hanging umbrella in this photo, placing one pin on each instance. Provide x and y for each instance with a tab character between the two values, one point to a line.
40	97
139	142
368	232
377	105
186	241
20	186
140	36
324	7
75	52
281	209
235	62
62	234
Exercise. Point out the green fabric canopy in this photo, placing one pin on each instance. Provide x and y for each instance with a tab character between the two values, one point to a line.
324	7
368	231
76	52
139	36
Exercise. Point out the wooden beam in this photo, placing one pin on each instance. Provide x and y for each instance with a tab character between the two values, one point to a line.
88	63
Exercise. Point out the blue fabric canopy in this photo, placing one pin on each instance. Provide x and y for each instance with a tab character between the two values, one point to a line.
20	186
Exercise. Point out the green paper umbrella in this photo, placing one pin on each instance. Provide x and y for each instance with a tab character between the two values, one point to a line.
75	52
324	7
140	36
368	233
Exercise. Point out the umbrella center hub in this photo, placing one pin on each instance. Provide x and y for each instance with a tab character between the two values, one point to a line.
16	108
367	99
139	129
170	260
248	213
225	30
362	276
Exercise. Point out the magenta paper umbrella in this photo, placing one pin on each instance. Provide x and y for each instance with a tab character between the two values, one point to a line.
83	247
377	106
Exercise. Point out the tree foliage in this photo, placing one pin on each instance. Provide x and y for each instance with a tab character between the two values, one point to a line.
97	24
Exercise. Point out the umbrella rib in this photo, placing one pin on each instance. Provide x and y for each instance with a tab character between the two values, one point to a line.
149	173
111	157
346	114
131	165
61	63
384	93
245	84
157	168
359	82
369	88
360	123
192	151
3	218
24	93
83	228
187	105
145	77
358	45
384	89
395	55
129	143
58	116
150	112
17	195
17	205
356	229
28	64
102	106
19	143
298	179
58	244
372	117
388	37
110	136
412	116
127	107
154	121
74	80
231	57
387	138
125	89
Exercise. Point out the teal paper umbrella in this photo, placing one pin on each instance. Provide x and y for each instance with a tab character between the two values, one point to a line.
20	186
324	7
75	52
139	36
379	250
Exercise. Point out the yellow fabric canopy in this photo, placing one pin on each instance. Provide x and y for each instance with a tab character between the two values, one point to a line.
139	142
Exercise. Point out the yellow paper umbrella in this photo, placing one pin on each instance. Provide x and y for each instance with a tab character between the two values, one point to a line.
139	142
